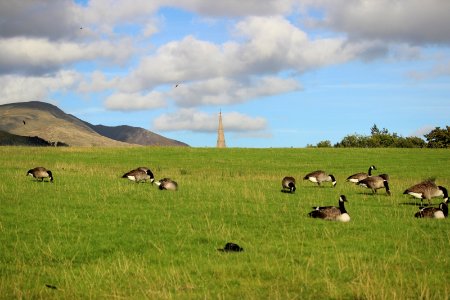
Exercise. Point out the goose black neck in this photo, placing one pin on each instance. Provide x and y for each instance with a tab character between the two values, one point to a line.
444	208
444	191
342	207
386	185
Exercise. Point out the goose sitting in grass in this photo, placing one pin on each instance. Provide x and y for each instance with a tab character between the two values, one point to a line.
360	176
139	174
332	213
426	190
40	173
288	183
167	184
440	212
376	182
319	177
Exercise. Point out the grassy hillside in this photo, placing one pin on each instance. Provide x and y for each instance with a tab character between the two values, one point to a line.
47	121
92	234
51	124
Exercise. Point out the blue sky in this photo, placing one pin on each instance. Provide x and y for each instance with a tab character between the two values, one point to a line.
284	73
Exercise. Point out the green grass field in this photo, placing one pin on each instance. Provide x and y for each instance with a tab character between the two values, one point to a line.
92	234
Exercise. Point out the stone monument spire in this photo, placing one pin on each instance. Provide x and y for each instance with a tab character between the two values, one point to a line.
220	134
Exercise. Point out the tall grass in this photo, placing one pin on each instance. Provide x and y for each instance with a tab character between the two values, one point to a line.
92	234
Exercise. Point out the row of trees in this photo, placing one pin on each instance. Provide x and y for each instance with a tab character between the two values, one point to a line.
437	138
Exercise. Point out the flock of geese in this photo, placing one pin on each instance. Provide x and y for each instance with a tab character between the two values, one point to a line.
424	190
140	174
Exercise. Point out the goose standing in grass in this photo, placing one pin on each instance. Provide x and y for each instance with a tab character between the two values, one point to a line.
440	212
360	176
40	173
140	174
288	183
332	213
167	184
319	177
426	190
376	182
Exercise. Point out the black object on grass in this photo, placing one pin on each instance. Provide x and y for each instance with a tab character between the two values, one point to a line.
231	247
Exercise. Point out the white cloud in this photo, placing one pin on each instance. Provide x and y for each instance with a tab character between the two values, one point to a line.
135	101
97	82
271	45
241	70
105	15
39	55
15	88
193	120
185	60
224	91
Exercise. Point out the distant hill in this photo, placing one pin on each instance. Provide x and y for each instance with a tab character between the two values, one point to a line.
48	122
135	135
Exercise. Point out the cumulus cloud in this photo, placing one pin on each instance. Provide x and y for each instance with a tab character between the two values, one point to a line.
135	101
96	82
16	88
413	21
104	16
186	60
38	55
224	91
269	45
192	120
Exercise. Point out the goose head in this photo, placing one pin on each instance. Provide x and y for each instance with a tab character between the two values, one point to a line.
152	178
50	175
444	192
333	180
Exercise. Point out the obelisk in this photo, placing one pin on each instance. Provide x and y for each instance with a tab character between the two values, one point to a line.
220	134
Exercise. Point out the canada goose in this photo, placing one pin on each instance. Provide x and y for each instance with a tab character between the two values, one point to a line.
376	182
319	177
288	183
139	174
360	176
426	190
231	247
332	213
40	173
440	212
167	184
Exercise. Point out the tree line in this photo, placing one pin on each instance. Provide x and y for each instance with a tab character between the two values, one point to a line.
436	138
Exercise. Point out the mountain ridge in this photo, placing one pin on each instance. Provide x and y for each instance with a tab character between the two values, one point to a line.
49	122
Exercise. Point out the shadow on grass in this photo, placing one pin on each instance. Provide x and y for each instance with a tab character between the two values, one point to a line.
287	192
41	182
415	204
